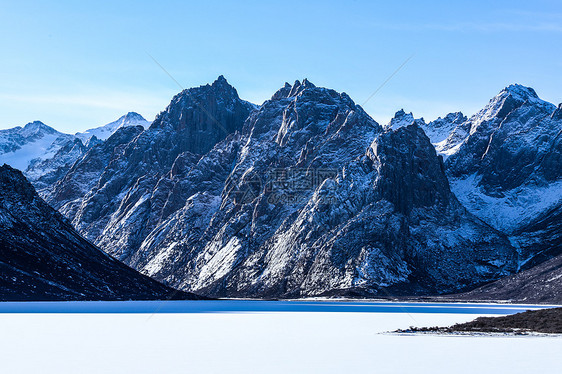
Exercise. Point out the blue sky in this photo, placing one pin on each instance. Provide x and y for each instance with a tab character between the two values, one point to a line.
75	65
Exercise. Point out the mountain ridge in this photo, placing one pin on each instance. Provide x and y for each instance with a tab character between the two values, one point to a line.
218	220
307	195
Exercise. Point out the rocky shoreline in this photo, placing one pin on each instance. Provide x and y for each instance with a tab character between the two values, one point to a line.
544	321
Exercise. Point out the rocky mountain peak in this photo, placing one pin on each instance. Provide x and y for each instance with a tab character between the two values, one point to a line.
401	118
204	108
299	87
511	98
457	117
221	82
288	90
303	111
37	128
519	91
132	117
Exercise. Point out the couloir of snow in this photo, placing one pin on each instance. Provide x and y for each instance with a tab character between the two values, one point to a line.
262	342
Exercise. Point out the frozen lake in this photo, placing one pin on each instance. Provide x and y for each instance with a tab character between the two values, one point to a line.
259	337
249	306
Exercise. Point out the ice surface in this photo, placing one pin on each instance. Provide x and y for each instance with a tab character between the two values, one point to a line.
263	342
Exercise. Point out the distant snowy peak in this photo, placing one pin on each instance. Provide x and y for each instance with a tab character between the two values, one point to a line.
509	99
104	132
45	154
20	145
400	119
12	139
36	129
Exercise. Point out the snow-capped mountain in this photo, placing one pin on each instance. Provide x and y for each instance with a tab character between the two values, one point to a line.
508	169
304	195
35	141
440	129
45	154
83	176
45	172
505	165
130	119
42	257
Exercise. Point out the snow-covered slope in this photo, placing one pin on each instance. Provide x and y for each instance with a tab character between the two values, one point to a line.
35	141
103	132
440	129
400	119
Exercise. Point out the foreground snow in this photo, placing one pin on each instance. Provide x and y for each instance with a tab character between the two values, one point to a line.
264	342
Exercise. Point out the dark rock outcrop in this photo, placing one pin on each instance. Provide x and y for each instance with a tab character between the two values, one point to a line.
43	258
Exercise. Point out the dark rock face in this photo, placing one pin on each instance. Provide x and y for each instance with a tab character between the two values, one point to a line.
129	193
201	117
541	238
306	195
43	258
412	175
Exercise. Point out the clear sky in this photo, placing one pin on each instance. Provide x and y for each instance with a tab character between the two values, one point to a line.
75	64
